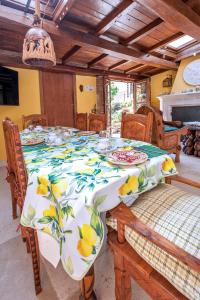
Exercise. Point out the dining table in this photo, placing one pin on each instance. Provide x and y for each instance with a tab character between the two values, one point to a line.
70	185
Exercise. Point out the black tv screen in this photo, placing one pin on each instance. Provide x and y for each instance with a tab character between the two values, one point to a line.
9	94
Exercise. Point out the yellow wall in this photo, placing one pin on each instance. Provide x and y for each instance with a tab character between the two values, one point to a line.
29	102
179	83
86	99
157	88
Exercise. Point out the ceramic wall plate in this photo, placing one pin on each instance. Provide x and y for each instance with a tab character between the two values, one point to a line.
127	157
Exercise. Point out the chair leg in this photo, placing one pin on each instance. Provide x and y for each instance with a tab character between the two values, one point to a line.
14	202
178	150
87	285
33	244
122	279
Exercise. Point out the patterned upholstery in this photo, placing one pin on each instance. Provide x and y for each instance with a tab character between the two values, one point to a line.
175	215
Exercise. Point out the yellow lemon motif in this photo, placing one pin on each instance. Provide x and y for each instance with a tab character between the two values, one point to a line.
88	240
51	212
59	188
127	148
62	156
92	161
84	248
130	186
43	180
89	235
68	151
46	230
168	165
42	189
85	171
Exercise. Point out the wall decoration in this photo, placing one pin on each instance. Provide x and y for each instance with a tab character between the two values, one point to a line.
86	88
191	73
167	82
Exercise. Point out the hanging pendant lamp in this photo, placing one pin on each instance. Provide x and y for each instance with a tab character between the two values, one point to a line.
38	49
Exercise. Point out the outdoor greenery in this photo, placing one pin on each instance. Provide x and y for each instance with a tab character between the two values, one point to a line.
119	102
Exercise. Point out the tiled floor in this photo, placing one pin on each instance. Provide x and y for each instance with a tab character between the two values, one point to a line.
16	281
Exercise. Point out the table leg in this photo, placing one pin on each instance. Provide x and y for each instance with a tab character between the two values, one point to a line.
87	284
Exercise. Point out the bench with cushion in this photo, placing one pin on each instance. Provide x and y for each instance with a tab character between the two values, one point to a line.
158	243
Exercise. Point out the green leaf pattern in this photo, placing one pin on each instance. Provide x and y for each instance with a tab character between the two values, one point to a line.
68	187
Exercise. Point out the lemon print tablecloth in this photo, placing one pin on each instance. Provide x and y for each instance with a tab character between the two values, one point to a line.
70	185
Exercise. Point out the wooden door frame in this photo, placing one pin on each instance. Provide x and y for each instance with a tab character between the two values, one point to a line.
148	82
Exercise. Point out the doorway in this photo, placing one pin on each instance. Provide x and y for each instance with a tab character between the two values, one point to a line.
124	96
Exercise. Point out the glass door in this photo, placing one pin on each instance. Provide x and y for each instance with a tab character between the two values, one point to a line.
141	93
120	98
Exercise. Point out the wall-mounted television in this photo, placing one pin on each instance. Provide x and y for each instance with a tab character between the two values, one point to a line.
9	94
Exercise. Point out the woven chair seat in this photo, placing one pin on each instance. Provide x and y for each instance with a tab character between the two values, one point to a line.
175	215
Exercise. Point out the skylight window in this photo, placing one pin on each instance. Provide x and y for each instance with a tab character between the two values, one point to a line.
181	41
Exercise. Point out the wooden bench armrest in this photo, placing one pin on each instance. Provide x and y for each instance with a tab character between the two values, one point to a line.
183	180
124	216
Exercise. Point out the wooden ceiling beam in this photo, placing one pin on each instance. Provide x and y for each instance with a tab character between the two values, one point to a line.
115	66
165	41
28	2
176	13
61	10
166	52
134	68
142	32
70	53
188	52
110	19
14	59
97	59
17	20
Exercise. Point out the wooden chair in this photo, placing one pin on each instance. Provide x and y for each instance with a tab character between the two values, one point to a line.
136	126
137	258
35	119
97	122
19	186
81	121
10	168
169	141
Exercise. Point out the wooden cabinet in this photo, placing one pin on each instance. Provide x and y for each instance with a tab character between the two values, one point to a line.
57	98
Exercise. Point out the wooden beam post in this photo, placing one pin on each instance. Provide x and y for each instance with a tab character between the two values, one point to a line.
115	66
166	41
142	32
70	53
188	52
97	59
129	70
177	13
61	10
110	19
19	21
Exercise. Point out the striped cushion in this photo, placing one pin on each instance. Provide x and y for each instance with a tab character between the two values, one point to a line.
175	215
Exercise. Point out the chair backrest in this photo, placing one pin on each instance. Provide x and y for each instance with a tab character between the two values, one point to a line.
35	119
81	121
15	159
158	125
97	122
137	126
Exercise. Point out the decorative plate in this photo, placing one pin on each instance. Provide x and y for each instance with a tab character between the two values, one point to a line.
191	73
31	142
86	133
127	157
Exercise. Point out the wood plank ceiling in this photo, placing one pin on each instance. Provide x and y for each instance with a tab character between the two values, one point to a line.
121	38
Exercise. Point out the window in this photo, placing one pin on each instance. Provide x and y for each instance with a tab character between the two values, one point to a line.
180	42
